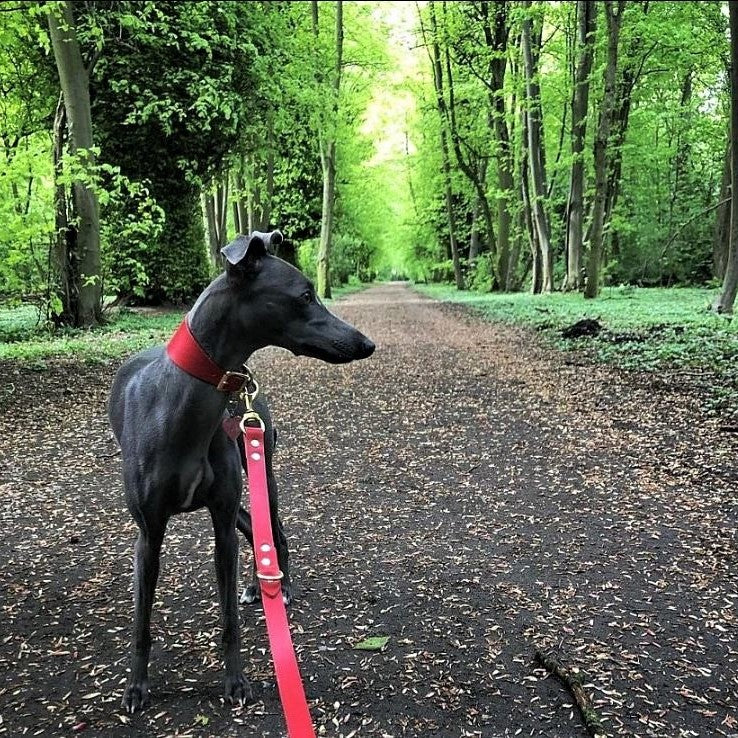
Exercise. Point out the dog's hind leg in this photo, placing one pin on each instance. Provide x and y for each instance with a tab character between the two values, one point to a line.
145	575
252	592
280	539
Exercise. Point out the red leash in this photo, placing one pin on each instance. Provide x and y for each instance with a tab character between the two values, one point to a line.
185	351
289	682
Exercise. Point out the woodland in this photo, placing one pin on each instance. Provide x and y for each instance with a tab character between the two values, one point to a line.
498	146
524	501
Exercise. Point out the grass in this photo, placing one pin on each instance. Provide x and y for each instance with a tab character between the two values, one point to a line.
651	329
26	339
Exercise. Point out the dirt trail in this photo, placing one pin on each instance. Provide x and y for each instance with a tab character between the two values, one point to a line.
465	492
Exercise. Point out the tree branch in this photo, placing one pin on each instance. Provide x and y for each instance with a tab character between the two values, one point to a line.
573	683
676	233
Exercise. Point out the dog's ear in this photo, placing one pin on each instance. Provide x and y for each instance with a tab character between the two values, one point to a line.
245	253
270	240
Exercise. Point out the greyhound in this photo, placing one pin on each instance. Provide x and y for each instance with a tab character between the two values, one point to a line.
175	452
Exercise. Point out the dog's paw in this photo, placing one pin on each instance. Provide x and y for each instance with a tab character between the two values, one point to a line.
136	696
238	690
251	594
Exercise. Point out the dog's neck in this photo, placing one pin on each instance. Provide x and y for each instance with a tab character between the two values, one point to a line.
218	327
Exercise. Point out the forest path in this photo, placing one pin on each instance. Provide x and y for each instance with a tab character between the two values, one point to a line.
467	491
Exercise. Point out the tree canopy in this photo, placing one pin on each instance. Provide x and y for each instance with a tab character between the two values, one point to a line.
500	145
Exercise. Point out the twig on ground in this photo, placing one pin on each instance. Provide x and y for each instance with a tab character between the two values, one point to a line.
572	680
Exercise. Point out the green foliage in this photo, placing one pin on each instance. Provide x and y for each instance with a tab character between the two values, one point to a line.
481	275
29	92
307	253
170	125
351	257
26	212
672	58
177	265
185	92
133	221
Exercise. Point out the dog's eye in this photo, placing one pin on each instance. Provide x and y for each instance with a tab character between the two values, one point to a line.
307	296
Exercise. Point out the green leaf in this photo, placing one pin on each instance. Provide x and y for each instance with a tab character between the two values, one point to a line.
375	643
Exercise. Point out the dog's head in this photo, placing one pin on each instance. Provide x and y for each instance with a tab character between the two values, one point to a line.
281	302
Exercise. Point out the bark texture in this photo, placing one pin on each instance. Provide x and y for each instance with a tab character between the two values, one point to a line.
435	57
586	12
79	264
496	34
726	299
536	156
721	237
328	157
613	15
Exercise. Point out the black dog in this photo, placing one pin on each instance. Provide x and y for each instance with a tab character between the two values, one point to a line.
176	455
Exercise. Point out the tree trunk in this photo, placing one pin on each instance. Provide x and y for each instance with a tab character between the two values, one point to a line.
221	212
208	206
635	58
326	224
496	38
680	187
242	204
579	106
445	155
726	299
721	238
328	157
474	236
64	236
535	157
613	15
535	248
83	297
473	171
512	284
259	191
240	208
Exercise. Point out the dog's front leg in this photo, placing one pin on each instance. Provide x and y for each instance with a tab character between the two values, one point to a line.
145	575
237	689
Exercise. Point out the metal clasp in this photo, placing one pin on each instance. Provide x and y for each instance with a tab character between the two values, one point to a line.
248	394
253	416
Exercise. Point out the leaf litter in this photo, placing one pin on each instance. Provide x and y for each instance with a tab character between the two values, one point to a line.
465	493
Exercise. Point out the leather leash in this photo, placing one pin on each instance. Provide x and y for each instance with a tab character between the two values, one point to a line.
289	681
185	351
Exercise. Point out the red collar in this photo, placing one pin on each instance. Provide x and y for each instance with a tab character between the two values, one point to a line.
184	351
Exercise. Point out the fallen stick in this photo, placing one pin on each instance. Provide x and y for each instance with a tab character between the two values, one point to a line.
573	683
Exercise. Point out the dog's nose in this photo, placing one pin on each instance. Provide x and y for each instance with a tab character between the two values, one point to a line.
367	348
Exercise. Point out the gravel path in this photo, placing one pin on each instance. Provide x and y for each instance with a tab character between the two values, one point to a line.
467	492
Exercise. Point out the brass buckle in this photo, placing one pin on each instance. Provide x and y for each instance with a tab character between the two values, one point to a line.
224	379
270	577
